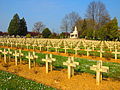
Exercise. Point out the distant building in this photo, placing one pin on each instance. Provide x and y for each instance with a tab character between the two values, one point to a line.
74	34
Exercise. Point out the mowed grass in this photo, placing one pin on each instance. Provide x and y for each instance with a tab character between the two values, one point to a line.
10	81
114	68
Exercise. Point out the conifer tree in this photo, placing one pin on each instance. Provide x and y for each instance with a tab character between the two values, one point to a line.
23	28
14	25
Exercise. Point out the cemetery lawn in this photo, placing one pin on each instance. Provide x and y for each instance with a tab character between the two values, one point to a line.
58	77
9	81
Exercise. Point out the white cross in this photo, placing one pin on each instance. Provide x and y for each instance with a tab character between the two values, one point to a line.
71	65
20	55
99	69
88	50
76	49
116	52
16	55
101	51
35	57
48	60
29	57
5	53
10	53
65	47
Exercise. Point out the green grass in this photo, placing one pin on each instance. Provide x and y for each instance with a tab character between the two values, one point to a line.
83	67
9	81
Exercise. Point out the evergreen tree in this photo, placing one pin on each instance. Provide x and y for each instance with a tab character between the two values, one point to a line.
46	33
14	25
23	28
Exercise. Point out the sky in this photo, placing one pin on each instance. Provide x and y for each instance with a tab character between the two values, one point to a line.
50	12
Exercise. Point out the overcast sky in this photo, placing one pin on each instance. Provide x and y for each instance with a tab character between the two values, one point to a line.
50	12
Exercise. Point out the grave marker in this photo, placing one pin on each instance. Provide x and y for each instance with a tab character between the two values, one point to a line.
99	69
48	60
116	52
76	49
20	55
9	53
71	65
35	57
5	57
101	51
88	50
29	57
16	55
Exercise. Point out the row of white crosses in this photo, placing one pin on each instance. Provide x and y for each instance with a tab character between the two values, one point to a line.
85	44
20	55
71	64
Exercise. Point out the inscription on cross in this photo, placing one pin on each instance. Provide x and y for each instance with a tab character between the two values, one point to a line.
71	65
99	69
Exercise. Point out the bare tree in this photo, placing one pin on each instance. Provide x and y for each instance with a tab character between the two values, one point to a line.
38	27
69	21
98	13
65	24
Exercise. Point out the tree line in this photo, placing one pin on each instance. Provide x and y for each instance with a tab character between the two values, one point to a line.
97	24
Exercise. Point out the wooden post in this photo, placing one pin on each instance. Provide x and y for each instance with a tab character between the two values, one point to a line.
99	69
71	65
